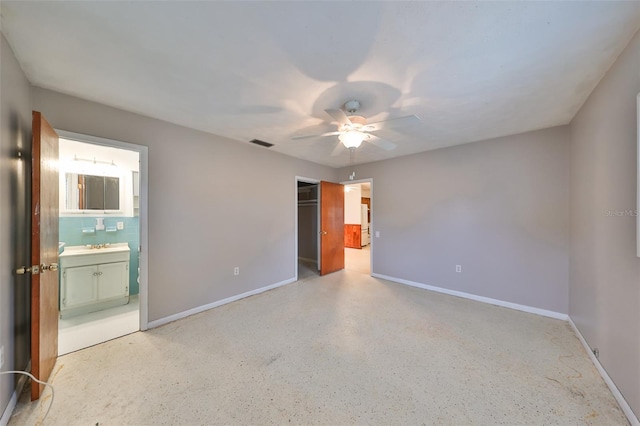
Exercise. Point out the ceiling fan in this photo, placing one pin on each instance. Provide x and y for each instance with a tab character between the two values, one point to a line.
353	129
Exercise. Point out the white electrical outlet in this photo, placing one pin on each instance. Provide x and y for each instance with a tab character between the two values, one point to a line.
119	226
458	268
236	270
377	234
1	356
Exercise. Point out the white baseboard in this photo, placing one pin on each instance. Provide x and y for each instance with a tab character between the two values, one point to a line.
510	305
4	420
8	411
197	310
633	420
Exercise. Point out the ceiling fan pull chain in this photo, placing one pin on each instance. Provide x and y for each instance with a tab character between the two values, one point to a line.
352	154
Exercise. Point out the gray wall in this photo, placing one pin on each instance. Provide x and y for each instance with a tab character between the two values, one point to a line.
499	208
604	300
213	204
15	135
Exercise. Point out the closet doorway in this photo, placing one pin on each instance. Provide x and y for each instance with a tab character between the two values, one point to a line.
308	219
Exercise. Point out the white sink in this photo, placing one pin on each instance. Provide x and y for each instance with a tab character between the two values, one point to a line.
89	250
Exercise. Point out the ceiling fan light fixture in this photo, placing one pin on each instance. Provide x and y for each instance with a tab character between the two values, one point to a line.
352	138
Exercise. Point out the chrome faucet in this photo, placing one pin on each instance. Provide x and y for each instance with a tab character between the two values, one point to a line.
98	246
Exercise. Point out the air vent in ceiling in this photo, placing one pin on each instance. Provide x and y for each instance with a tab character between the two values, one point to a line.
261	143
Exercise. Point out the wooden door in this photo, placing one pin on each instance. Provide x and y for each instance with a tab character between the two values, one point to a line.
331	227
44	252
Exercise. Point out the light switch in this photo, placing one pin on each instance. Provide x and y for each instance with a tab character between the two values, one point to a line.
377	234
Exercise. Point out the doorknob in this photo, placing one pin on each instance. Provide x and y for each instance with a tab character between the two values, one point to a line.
53	267
322	232
35	269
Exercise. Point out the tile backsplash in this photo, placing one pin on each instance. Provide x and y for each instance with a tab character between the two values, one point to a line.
71	233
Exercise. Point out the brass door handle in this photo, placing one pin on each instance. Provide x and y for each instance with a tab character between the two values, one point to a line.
322	232
53	267
35	269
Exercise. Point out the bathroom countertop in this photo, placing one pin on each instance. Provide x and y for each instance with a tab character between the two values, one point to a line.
85	250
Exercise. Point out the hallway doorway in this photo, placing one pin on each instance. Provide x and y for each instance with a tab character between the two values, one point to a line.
357	219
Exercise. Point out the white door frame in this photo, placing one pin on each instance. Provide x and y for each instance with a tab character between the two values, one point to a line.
371	234
306	180
638	186
143	151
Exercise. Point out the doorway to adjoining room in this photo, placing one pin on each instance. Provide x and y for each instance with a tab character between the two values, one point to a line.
99	244
357	226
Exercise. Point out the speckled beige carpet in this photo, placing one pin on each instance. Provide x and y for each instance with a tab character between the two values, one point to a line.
340	349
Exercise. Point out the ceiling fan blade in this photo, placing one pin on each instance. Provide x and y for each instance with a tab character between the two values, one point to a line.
319	135
407	120
339	116
337	150
381	143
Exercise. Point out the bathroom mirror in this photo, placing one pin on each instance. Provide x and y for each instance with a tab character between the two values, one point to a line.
89	192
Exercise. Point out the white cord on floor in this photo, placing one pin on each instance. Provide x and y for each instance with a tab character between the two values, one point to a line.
38	381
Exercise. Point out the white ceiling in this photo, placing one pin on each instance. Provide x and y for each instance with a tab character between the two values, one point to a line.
268	70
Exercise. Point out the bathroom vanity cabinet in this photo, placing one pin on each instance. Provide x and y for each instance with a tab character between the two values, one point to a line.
92	279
